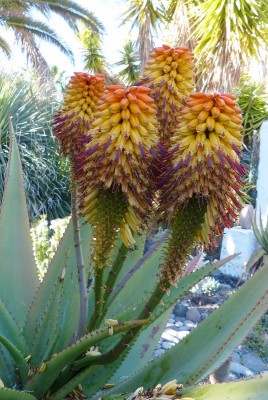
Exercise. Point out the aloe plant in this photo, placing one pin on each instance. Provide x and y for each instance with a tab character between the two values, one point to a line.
52	344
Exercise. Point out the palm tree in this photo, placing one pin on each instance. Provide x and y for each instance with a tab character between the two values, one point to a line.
146	15
130	63
94	60
229	34
17	16
180	23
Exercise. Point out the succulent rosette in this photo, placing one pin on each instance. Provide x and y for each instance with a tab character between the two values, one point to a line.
116	161
170	74
72	122
205	160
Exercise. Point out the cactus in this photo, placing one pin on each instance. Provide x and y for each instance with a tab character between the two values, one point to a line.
98	315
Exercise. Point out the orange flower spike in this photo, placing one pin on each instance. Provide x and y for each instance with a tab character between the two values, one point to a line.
72	122
205	150
118	157
170	74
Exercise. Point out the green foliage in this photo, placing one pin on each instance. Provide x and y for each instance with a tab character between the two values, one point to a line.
45	239
252	98
41	356
23	19
31	106
129	63
256	339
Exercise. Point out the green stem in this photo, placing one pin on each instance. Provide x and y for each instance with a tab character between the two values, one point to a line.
98	304
185	229
114	273
69	373
82	281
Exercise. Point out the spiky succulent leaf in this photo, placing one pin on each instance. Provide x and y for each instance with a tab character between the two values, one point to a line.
46	376
211	342
10	330
17	266
103	374
44	337
140	279
10	394
142	350
61	275
244	390
22	367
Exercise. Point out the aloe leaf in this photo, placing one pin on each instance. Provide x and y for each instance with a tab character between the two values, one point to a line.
254	258
18	271
45	335
253	389
207	347
17	356
131	258
7	370
10	329
143	348
10	394
145	344
104	374
141	278
45	377
62	271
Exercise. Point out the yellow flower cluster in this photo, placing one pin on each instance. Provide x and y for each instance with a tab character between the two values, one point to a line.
119	154
170	74
72	122
205	159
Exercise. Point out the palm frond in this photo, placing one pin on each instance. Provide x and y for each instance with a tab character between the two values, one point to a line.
4	46
39	29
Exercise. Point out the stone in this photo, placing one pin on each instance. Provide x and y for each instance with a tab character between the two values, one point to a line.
168	334
236	357
193	314
189	323
158	352
182	334
171	321
184	328
178	324
204	315
253	362
246	216
240	370
180	310
167	345
237	240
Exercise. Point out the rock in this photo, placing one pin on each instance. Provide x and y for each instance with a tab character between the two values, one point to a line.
182	334
180	310
240	370
178	324
184	328
225	287
171	321
236	357
246	216
193	314
158	352
204	315
253	362
168	335
167	345
189	323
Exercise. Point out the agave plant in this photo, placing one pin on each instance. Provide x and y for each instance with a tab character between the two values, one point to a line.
89	330
45	172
